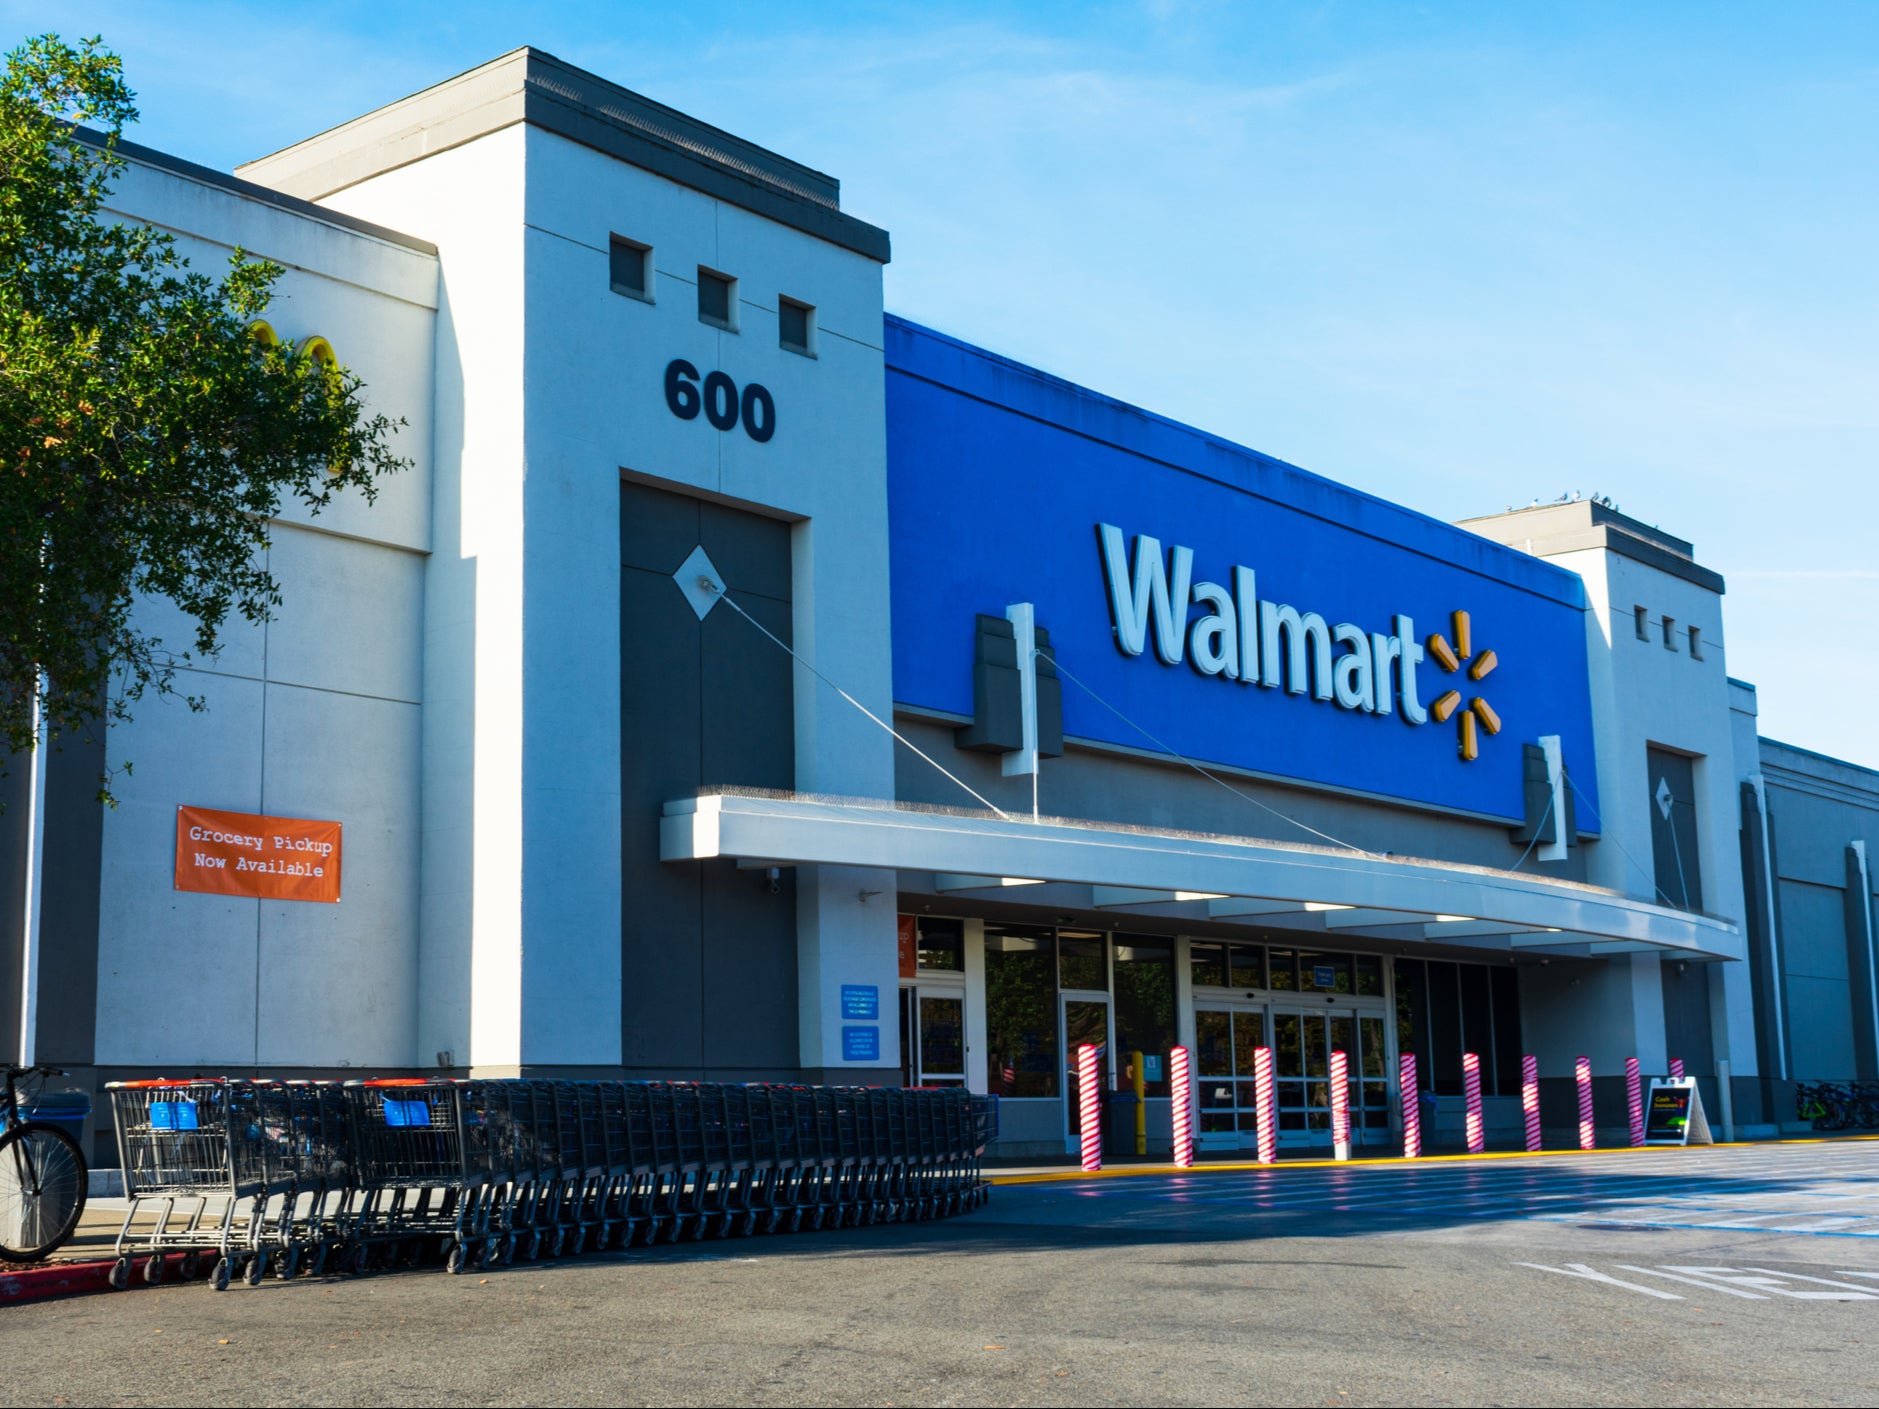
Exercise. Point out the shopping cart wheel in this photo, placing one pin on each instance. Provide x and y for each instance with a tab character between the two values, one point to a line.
219	1278
119	1277
289	1265
455	1259
257	1269
317	1263
355	1262
153	1269
532	1249
747	1224
189	1266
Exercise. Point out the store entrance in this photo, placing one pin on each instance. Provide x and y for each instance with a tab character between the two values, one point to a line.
1228	1106
932	1034
1302	1043
1302	1040
1085	1022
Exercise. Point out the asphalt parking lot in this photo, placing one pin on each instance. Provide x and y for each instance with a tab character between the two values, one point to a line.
1723	1276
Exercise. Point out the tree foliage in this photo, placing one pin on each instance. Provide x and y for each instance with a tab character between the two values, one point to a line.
147	435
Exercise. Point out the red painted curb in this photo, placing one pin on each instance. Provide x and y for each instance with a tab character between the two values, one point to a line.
61	1279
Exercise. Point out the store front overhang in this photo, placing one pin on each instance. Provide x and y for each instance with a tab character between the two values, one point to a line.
1221	880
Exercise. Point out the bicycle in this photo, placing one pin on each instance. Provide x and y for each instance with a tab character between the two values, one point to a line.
43	1177
1818	1105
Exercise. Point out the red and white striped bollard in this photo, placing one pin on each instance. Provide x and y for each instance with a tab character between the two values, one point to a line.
1089	1108
1634	1098
1582	1074
1412	1114
1181	1088
1268	1105
1530	1100
1471	1090
1676	1068
1340	1106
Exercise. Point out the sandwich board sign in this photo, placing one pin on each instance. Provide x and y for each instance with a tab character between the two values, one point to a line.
1674	1114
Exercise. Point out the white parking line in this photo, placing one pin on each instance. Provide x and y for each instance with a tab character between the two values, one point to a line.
1747	1283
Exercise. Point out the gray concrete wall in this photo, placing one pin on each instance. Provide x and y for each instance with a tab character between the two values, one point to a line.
1105	785
1822	813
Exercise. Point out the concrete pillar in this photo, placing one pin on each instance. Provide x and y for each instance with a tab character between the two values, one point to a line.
846	936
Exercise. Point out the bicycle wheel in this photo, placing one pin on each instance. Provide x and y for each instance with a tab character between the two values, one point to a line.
43	1181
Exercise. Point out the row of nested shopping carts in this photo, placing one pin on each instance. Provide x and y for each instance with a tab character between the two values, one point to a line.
240	1176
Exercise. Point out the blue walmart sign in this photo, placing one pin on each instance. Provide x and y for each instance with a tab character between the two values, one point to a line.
1242	611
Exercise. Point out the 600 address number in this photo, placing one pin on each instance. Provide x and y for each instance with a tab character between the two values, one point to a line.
719	400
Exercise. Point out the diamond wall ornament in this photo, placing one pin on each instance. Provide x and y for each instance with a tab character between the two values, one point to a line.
699	580
1664	797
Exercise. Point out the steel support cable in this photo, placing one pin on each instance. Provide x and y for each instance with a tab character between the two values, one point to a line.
1642	869
1211	777
725	598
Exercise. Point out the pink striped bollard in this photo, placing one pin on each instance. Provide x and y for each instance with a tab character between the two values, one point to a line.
1089	1108
1471	1090
1582	1074
1676	1068
1340	1106
1530	1100
1634	1097
1181	1087
1412	1115
1268	1106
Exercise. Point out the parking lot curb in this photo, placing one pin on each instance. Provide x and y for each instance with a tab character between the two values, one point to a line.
1162	1171
60	1279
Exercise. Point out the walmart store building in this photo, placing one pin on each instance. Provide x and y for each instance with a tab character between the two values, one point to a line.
1309	770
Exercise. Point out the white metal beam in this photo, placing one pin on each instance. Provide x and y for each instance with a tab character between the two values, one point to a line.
988	851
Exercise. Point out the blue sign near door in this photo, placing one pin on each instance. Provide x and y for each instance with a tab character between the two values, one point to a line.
861	1000
861	1044
1324	975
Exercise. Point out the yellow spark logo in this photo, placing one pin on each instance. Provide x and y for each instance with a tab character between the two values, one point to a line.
1452	659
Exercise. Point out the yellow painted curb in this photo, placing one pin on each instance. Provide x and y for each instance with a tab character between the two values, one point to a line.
1157	1171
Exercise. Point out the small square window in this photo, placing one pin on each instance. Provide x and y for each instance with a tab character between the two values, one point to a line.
1642	617
1696	644
1670	633
629	268
717	300
795	326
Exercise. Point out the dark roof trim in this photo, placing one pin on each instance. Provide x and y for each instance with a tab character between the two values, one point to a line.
1860	771
528	86
1547	530
293	205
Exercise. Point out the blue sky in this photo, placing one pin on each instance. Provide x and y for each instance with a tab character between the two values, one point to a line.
1460	255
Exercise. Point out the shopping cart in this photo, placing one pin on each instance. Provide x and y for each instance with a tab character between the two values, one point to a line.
203	1160
404	1170
429	1171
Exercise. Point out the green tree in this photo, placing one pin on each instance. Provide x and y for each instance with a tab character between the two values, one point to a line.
147	434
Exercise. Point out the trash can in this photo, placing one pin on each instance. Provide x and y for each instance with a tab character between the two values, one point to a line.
68	1110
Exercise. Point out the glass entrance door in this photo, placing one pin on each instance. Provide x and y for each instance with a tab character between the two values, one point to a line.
1302	1042
1085	1020
1228	1102
932	1035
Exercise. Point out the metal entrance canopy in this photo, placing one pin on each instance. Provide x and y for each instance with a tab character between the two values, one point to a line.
1222	879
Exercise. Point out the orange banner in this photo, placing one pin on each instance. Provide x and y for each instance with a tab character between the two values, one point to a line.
269	858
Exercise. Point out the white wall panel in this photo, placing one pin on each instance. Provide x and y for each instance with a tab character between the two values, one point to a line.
337	983
176	969
351	616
